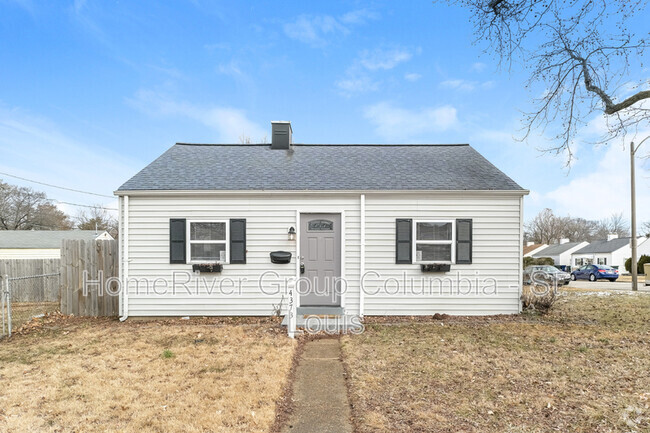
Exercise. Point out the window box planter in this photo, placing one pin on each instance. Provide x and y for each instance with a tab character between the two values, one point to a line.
435	267
208	267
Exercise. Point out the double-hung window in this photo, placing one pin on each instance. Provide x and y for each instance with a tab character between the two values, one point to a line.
434	241
208	241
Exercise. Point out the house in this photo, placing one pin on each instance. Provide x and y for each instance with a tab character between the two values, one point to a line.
531	248
41	244
611	252
229	229
560	252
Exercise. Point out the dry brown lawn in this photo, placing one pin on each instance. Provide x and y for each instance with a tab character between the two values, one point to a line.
584	367
174	376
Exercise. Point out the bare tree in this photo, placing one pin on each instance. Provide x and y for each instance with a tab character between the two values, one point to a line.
645	229
22	208
585	53
97	218
614	224
545	228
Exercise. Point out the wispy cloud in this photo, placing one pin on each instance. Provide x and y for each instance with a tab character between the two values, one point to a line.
229	123
358	76
412	76
62	160
465	85
393	122
316	30
478	67
357	84
384	58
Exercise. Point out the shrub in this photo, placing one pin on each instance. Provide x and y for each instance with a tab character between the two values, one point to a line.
530	261
167	354
642	260
538	298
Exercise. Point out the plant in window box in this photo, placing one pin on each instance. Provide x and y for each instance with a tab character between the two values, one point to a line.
435	267
207	267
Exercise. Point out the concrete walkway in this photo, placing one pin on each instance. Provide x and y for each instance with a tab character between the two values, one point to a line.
319	393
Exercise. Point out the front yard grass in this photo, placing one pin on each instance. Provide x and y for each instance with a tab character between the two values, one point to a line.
584	367
96	375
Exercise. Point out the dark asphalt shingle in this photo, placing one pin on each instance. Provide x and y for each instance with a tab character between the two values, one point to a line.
320	167
556	249
604	246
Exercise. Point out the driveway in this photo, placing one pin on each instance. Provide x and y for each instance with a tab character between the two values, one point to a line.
607	285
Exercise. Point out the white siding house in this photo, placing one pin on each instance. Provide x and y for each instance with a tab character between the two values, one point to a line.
611	252
41	244
561	252
400	229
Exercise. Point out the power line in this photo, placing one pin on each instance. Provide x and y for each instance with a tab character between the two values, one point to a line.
82	205
55	186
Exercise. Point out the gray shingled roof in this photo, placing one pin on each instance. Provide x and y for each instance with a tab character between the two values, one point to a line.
554	250
42	238
320	167
604	246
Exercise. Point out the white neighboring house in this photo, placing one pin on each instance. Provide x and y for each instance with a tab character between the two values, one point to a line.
561	252
370	215
41	244
532	248
611	252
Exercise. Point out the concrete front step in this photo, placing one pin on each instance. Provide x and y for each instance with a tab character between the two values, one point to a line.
313	323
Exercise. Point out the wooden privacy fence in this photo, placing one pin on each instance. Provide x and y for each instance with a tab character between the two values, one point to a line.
92	257
42	290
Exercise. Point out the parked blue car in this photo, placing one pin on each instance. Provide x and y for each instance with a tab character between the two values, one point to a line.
594	272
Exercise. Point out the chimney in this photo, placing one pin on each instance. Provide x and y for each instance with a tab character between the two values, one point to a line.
612	236
530	243
281	134
564	241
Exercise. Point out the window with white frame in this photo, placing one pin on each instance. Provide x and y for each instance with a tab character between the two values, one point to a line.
579	262
208	241
434	241
602	260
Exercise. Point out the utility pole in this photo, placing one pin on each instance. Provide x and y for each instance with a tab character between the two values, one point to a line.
634	265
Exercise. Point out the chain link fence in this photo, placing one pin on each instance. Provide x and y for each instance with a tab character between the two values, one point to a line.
24	298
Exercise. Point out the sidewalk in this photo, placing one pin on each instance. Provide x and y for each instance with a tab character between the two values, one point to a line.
319	393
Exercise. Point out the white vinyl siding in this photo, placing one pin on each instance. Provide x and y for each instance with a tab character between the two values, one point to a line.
497	247
496	251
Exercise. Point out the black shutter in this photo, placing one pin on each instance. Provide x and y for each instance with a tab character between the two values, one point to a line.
238	241
177	241
464	241
403	241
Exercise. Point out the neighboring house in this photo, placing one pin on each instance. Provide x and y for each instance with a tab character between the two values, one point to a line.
611	252
41	244
369	215
531	248
561	252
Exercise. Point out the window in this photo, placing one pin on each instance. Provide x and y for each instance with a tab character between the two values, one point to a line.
579	262
602	260
434	241
208	241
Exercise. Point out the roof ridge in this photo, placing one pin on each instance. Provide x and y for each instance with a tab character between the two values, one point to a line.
328	145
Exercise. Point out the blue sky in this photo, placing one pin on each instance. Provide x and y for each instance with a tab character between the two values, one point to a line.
91	91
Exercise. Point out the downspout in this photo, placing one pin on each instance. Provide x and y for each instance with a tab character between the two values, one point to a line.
521	250
124	269
362	252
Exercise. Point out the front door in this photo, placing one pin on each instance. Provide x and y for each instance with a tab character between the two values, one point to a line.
320	248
